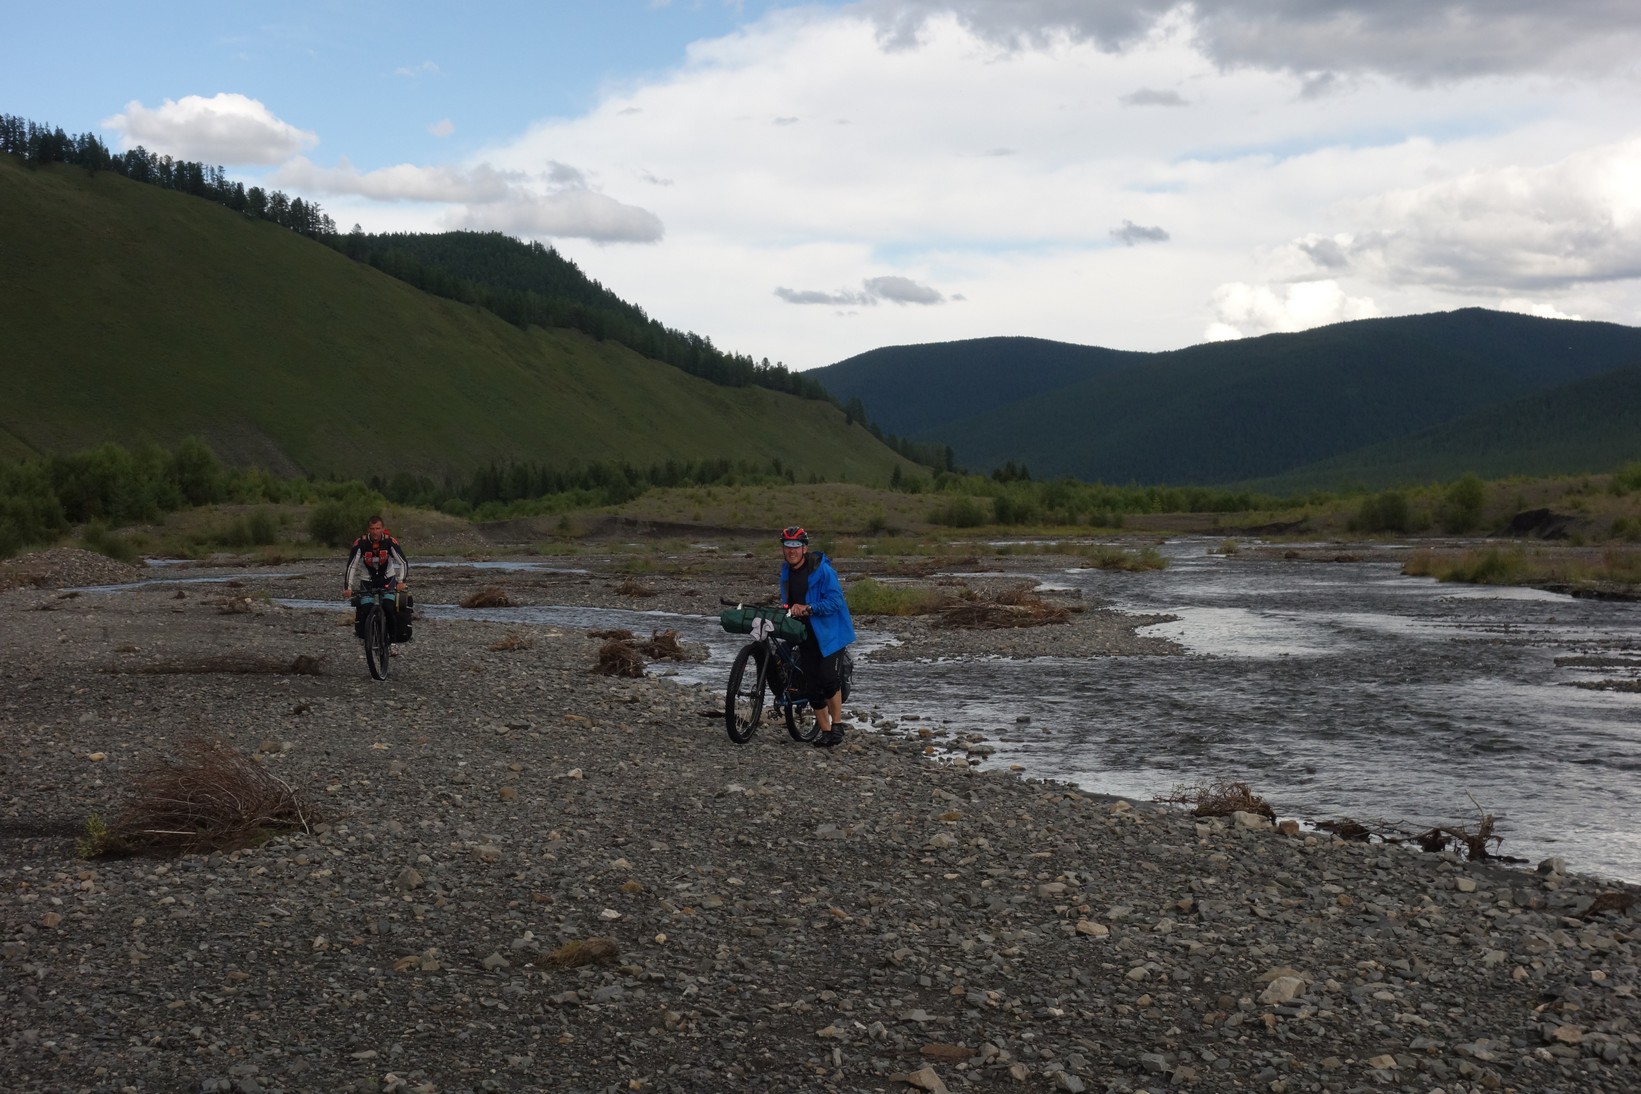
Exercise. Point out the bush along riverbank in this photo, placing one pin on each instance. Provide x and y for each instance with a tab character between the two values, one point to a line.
511	872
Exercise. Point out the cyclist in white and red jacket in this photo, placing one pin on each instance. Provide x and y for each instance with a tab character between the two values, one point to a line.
376	561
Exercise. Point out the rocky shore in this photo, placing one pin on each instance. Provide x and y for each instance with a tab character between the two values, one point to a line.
882	917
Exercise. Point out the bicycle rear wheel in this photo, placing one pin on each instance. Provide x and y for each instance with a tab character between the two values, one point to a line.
744	698
800	719
376	644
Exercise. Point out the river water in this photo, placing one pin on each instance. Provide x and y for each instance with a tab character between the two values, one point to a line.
1341	690
1333	689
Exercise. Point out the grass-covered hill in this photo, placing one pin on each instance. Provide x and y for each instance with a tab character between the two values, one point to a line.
134	313
1255	409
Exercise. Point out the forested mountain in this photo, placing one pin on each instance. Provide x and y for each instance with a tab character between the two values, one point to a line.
1231	412
1587	425
135	313
525	284
916	390
529	284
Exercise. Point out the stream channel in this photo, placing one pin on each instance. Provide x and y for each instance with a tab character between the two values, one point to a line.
1334	690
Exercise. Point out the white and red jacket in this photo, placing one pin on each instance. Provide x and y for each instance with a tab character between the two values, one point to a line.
379	562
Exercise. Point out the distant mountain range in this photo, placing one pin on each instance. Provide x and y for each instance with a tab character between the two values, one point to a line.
1372	402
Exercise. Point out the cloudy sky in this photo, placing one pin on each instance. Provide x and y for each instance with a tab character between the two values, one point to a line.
807	181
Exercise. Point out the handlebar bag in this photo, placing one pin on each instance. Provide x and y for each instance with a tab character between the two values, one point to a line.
740	621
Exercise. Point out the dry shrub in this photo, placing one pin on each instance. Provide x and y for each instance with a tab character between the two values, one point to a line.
572	955
630	587
513	640
1013	607
619	657
207	798
617	633
491	596
1218	799
230	664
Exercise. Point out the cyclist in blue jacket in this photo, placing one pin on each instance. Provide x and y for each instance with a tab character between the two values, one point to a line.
810	590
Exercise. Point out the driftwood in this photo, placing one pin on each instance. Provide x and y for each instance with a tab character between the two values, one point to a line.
663	646
1018	607
619	657
1218	799
1479	845
491	596
232	664
623	655
1347	829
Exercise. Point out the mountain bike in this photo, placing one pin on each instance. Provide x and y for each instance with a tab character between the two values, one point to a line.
769	664
378	642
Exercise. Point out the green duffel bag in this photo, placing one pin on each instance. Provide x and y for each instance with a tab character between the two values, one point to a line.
740	621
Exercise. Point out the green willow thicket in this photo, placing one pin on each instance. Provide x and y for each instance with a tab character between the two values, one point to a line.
44	499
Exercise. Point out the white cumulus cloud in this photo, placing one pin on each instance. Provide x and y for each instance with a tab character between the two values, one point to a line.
1243	310
226	128
555	203
402	182
1511	228
574	214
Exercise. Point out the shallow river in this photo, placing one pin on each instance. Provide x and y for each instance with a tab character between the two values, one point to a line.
1345	690
1333	689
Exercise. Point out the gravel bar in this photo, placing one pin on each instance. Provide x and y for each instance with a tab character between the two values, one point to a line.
887	916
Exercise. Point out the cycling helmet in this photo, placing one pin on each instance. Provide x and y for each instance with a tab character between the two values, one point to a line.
794	536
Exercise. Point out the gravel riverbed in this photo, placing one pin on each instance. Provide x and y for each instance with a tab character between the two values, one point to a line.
882	917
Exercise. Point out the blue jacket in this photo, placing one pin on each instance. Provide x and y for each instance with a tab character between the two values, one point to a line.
829	618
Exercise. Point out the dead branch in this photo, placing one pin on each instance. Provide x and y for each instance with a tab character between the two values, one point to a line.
663	646
1218	799
232	664
1012	607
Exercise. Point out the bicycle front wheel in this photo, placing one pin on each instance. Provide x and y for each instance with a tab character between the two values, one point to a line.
376	643
744	699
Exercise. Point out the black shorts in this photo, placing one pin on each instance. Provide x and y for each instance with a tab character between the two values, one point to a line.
822	675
